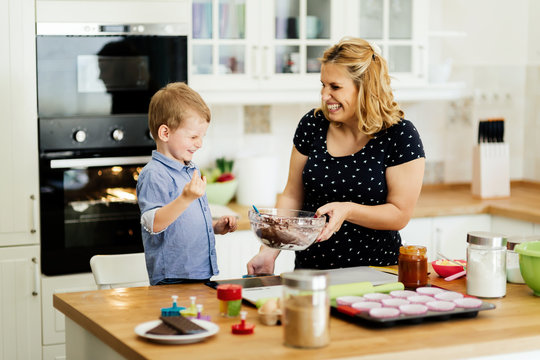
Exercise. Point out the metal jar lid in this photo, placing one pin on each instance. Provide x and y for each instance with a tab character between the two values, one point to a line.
306	279
486	238
515	240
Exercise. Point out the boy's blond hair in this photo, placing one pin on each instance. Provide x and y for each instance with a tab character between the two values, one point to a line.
170	104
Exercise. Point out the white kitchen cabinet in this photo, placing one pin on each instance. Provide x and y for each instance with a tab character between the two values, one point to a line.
19	221
419	232
514	227
234	250
450	233
444	234
399	28
246	51
54	335
241	49
20	315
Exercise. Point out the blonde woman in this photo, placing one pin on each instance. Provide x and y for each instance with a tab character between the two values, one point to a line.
356	160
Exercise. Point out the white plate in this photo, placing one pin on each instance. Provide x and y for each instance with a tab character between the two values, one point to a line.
211	328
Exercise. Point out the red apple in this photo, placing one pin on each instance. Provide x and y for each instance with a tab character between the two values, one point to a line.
225	177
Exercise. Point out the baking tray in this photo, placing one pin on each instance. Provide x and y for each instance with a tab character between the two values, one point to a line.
349	313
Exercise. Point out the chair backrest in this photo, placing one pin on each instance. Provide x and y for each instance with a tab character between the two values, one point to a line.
122	270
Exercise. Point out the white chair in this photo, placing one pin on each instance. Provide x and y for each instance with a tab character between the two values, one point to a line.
122	270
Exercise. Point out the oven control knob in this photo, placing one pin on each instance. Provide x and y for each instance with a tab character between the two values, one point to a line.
117	134
79	136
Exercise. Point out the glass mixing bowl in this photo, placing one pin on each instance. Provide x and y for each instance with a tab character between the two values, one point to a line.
285	229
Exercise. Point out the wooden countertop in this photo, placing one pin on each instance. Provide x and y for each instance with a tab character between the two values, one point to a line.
111	315
447	200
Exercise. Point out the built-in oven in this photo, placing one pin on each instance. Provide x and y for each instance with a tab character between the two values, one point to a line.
94	87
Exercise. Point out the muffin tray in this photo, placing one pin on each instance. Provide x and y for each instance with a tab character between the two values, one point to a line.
349	313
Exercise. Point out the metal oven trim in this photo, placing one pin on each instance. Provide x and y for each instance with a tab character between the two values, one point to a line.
91	162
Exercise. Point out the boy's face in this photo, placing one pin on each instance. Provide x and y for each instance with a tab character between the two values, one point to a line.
181	144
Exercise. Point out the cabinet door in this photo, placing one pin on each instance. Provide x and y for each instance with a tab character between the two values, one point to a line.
258	45
20	317
450	233
223	44
511	227
399	28
18	121
419	232
54	331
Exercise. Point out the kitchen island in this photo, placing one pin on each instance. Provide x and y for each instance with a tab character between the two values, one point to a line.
100	325
457	199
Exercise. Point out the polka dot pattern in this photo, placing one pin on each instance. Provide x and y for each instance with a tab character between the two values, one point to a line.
358	178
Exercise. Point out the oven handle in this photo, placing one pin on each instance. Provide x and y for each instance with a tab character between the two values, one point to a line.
90	162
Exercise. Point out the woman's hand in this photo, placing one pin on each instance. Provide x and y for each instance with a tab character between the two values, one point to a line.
225	224
337	213
263	262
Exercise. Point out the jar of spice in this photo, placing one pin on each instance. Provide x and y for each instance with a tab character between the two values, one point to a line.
306	309
486	264
412	266
230	299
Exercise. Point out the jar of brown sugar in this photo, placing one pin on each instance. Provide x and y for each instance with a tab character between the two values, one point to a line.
306	309
412	266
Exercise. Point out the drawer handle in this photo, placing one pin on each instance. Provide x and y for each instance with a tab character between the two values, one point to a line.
36	277
35	215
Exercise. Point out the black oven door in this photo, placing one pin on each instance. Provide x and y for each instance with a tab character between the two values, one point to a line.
88	207
100	74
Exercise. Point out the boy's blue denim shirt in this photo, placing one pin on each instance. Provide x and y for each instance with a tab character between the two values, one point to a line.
186	248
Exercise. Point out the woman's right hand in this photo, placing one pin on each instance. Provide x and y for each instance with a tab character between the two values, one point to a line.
263	262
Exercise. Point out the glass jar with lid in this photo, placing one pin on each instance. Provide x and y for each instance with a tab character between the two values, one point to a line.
306	309
486	264
513	272
412	266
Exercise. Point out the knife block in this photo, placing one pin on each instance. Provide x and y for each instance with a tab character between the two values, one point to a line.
491	171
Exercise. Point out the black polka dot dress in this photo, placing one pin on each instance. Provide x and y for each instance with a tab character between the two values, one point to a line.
358	178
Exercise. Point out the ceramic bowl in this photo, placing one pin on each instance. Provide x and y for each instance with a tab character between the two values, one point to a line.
445	268
286	229
529	264
221	193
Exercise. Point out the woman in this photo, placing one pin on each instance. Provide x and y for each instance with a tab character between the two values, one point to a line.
356	160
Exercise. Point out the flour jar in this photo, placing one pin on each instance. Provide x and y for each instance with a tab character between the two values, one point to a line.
306	309
486	264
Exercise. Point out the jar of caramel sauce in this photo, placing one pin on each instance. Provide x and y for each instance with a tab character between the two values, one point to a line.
413	266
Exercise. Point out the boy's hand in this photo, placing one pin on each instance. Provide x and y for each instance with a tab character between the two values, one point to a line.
225	224
195	188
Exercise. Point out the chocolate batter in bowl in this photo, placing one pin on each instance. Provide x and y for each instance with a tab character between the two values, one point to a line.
286	229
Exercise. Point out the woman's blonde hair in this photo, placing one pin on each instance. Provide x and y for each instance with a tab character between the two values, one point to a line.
170	104
376	108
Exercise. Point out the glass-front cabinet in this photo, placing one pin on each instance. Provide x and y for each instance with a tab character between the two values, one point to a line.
399	28
250	47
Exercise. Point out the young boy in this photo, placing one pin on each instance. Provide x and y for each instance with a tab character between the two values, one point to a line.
177	227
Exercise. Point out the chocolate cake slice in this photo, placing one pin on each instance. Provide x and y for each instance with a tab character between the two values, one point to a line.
182	324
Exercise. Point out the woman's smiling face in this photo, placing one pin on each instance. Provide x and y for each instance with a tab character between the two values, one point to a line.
339	94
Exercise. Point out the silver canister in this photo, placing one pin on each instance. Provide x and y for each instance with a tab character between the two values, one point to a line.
486	264
513	272
306	309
